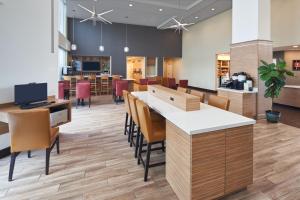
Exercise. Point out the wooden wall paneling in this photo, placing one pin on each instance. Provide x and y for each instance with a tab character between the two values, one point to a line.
289	96
239	158
178	161
241	103
249	105
208	165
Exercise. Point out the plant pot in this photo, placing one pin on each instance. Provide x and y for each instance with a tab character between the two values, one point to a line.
273	116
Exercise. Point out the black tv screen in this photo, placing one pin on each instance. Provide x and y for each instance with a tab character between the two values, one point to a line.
30	93
90	66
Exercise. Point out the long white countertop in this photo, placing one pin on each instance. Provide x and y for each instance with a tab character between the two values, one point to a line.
207	119
255	90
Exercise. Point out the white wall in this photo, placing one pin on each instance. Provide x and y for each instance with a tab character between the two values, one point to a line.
285	22
212	36
25	45
200	46
250	20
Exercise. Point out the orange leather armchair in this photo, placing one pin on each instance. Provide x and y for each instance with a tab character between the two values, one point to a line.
30	130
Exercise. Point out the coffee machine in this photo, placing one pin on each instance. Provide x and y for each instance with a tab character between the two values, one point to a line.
238	80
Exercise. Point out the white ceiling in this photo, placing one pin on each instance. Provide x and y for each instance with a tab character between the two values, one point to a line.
146	12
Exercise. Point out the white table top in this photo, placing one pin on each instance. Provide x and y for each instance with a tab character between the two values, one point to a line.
207	119
292	86
255	90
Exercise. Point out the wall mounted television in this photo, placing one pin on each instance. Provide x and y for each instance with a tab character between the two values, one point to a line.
30	93
91	66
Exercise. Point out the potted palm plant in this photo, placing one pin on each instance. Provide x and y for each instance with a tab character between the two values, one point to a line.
274	77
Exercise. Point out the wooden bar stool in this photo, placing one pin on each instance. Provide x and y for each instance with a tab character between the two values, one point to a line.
181	89
104	84
127	127
198	94
219	102
153	131
93	80
136	123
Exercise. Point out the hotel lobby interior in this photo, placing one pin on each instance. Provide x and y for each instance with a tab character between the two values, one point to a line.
150	99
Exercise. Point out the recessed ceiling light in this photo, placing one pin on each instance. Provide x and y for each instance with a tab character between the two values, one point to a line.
130	4
213	9
161	9
196	17
296	46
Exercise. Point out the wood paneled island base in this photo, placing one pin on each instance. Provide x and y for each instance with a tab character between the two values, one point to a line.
209	165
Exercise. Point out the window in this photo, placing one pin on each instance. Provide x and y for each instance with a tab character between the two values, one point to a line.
62	17
62	60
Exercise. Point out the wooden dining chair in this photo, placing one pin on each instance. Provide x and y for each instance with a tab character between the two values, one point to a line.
27	135
153	132
105	84
219	102
93	80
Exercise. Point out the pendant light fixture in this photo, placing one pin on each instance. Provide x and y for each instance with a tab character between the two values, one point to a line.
126	48
73	46
101	47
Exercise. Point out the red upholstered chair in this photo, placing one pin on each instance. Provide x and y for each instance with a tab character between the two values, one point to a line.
152	82
183	83
61	92
83	91
143	81
113	84
64	89
120	86
172	83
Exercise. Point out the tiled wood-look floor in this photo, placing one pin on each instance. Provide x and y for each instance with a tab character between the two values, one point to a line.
96	163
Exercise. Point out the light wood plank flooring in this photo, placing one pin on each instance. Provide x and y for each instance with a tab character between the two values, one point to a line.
96	162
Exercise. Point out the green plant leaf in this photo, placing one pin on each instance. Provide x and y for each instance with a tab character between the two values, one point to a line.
264	63
281	64
289	73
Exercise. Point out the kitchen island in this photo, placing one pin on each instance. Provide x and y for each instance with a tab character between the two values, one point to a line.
209	152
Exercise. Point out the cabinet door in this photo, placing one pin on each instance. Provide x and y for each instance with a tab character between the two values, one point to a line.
239	158
208	165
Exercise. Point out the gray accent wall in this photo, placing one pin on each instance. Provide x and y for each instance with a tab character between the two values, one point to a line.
142	41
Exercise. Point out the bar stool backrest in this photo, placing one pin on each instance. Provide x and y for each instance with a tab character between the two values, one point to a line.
198	94
181	89
219	102
126	101
144	119
132	104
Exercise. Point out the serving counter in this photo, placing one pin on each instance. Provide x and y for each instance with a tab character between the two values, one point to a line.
290	96
241	102
209	151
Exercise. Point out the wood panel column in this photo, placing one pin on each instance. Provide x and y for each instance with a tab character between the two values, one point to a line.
251	43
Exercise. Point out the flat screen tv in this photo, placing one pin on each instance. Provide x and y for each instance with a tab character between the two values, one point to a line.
30	93
90	66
